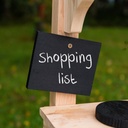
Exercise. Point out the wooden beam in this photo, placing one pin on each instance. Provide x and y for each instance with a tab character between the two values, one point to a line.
74	14
60	18
71	116
56	98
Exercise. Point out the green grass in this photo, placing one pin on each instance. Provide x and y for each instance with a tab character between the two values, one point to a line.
19	107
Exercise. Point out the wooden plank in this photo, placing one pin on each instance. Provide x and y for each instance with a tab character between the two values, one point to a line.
58	28
74	14
71	116
57	99
67	19
58	19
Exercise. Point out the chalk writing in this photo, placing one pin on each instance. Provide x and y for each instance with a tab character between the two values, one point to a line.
63	64
69	59
66	58
66	79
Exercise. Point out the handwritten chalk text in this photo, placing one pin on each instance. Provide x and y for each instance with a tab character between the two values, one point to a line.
66	58
66	79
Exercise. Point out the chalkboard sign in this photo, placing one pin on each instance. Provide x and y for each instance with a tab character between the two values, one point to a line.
63	64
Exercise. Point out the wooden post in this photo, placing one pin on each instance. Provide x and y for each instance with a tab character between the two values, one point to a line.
67	19
74	15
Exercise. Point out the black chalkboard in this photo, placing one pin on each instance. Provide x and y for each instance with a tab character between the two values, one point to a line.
63	64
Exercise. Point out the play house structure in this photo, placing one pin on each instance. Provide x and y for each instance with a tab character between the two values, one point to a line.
65	65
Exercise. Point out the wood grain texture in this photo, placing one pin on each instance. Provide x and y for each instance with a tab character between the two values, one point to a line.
71	116
58	28
71	14
74	14
57	99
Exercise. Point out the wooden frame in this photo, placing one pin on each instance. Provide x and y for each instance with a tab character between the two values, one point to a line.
67	19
